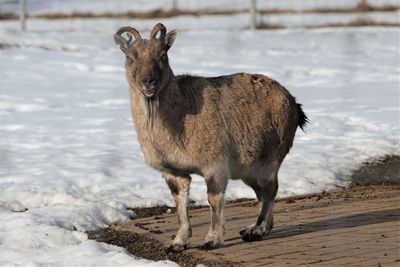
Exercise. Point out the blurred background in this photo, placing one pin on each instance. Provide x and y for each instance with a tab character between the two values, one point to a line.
241	14
69	156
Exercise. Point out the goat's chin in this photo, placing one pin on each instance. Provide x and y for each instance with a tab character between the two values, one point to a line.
149	92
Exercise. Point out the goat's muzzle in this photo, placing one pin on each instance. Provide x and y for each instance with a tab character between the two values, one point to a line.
149	86
149	91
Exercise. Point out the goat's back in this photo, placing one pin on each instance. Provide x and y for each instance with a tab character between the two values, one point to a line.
247	117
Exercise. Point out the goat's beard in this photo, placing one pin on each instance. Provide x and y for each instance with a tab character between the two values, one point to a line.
152	107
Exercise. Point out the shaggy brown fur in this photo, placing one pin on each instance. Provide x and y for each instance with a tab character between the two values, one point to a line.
239	126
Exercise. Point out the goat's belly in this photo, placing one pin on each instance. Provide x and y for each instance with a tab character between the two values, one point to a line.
255	171
179	169
174	168
170	165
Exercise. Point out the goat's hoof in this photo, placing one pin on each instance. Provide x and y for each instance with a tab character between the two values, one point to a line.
176	248
242	232
252	234
210	245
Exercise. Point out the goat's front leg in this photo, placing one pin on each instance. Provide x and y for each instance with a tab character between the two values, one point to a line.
179	186
216	187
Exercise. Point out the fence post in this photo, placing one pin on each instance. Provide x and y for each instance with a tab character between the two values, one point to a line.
253	14
22	14
174	4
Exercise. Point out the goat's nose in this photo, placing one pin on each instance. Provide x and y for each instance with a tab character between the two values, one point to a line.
149	80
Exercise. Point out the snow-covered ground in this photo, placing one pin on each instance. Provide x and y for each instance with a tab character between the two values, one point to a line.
69	156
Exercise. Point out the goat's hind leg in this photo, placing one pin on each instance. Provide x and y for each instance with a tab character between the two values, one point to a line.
265	221
179	186
257	189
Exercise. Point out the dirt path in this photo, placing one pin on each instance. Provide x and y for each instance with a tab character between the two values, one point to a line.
353	227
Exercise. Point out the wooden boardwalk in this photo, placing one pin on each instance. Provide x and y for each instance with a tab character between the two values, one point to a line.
355	227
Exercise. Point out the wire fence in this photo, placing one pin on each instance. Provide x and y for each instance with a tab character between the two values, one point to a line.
254	13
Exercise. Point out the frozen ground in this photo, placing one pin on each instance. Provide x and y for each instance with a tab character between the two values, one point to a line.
69	157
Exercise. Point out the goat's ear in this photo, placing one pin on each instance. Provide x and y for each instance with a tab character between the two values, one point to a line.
170	39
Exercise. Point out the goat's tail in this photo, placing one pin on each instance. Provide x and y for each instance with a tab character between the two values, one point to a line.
303	120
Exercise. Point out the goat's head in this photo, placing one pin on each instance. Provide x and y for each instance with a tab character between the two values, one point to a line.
146	63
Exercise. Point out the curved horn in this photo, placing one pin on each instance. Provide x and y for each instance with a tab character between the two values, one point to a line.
158	28
121	41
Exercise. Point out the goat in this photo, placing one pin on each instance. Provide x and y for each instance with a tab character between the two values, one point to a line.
239	126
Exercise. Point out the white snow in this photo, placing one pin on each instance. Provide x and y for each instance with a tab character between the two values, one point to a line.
69	156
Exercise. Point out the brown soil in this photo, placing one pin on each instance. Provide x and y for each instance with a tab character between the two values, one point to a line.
5	46
160	210
159	13
5	16
149	248
361	22
381	171
269	26
145	245
152	211
361	7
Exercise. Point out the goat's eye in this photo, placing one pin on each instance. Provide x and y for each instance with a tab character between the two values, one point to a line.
163	58
129	60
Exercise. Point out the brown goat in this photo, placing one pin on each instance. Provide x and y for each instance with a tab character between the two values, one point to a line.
239	126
